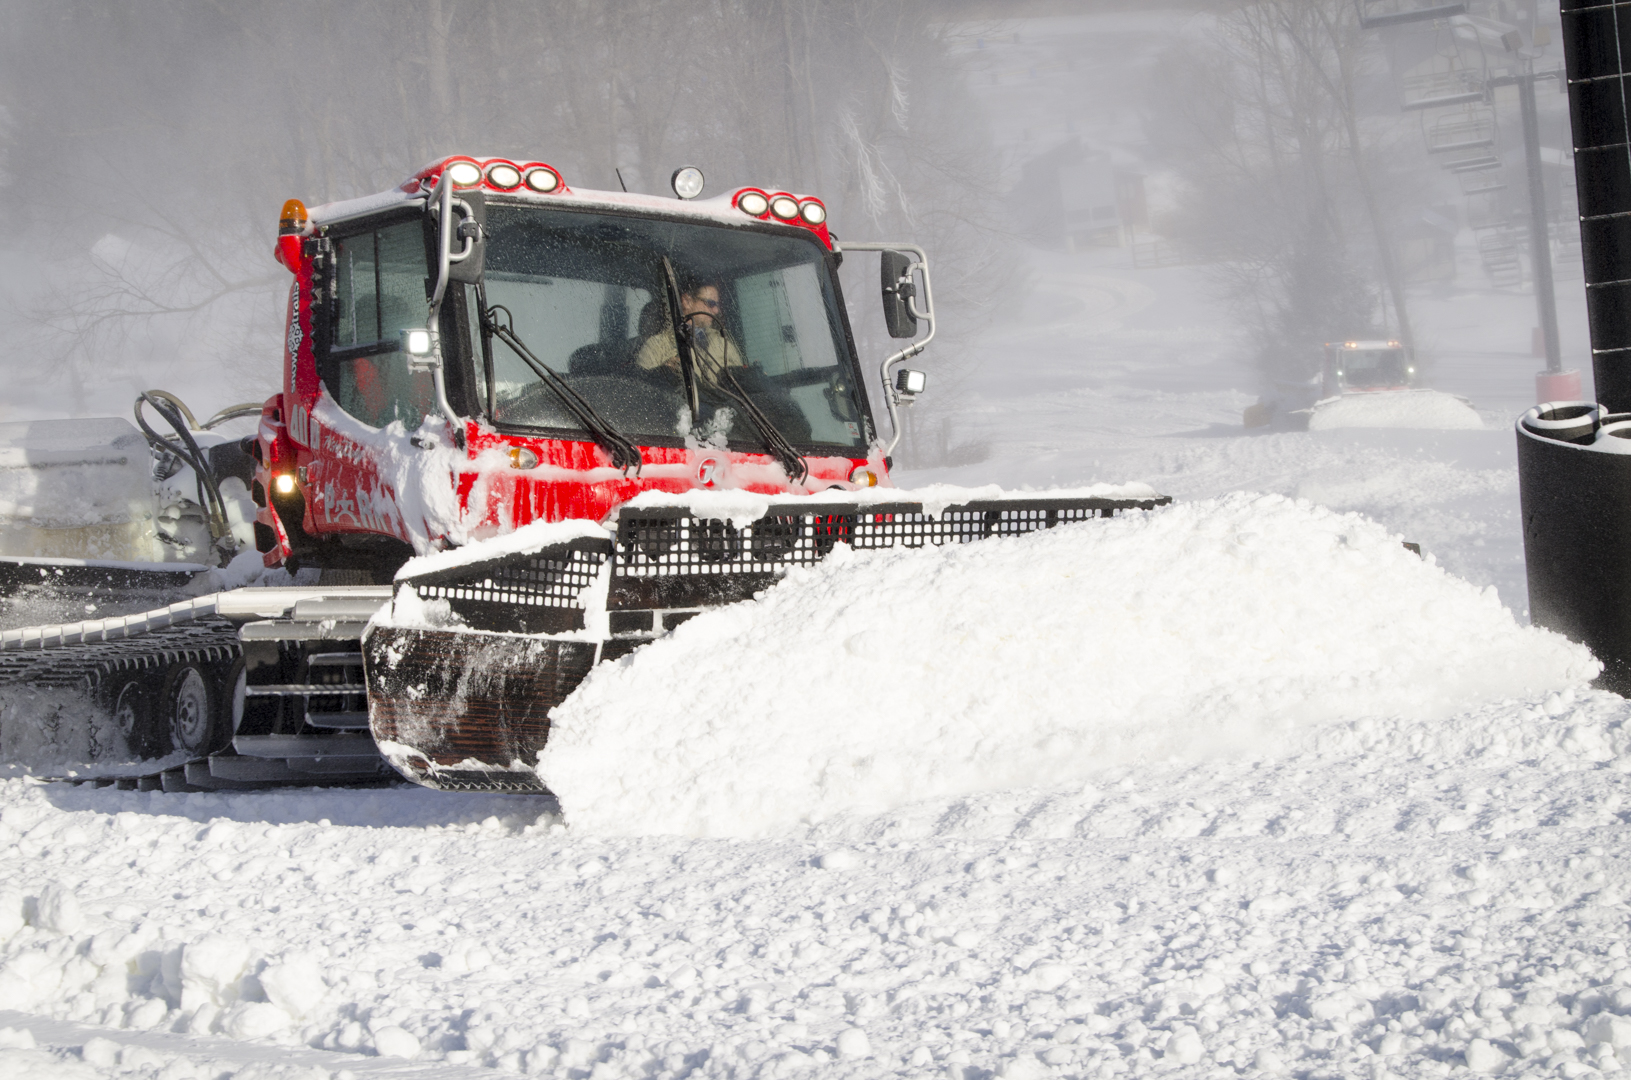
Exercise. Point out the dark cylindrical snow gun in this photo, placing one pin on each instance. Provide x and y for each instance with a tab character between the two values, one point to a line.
1574	480
1574	457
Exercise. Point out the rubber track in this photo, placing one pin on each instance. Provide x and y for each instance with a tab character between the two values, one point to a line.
84	655
87	662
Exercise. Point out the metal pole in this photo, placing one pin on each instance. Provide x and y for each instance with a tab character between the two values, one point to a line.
1540	244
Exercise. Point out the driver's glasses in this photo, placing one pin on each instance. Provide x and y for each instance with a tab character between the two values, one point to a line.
711	305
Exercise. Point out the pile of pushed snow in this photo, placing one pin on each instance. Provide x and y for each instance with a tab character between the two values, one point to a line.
878	679
1429	409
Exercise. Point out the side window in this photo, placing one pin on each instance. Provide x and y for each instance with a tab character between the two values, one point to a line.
401	279
356	314
379	291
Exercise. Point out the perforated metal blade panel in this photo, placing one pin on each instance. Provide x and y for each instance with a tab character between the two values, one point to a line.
667	558
530	593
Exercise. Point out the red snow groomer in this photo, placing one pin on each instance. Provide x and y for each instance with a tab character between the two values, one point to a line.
484	348
523	429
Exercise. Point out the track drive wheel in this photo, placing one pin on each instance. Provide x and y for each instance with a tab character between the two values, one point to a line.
131	705
192	709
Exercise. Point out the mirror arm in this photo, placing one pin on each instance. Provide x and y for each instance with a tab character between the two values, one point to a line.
892	396
443	197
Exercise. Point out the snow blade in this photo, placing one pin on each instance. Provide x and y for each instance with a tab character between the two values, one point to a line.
465	705
468	711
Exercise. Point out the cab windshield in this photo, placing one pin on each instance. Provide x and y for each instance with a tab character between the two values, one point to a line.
587	294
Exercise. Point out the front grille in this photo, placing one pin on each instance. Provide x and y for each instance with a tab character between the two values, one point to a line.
528	593
667	557
348	706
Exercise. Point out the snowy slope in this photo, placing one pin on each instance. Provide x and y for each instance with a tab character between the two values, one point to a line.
1223	829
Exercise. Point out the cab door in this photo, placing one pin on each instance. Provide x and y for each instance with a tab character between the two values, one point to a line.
377	290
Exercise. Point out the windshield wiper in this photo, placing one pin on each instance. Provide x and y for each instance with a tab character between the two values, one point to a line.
724	381
682	342
782	450
624	454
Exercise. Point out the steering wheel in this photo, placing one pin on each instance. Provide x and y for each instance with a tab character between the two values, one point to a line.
839	400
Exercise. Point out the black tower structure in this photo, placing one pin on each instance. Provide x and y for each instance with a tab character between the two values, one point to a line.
1596	52
1574	457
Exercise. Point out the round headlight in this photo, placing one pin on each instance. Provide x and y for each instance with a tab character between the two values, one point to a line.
784	207
751	202
543	180
687	182
504	176
863	476
813	212
464	173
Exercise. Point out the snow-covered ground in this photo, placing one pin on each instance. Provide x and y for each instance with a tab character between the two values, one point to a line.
1235	788
1239	787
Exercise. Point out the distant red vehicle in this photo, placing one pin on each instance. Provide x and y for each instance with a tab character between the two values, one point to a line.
1346	367
1360	366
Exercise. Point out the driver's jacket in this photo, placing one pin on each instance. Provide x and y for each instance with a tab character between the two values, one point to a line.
712	350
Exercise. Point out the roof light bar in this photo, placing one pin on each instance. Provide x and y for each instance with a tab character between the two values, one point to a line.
504	176
543	179
802	210
464	173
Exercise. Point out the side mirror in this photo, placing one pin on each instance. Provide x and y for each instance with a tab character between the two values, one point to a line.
895	276
470	228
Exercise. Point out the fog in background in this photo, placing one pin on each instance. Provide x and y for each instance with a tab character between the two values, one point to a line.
146	148
1322	169
149	145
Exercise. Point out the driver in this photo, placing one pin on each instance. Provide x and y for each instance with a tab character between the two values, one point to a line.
711	347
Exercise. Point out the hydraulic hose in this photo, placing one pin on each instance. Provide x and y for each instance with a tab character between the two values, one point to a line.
187	450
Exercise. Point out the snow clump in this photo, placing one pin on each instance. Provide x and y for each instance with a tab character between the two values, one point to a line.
877	679
1431	410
